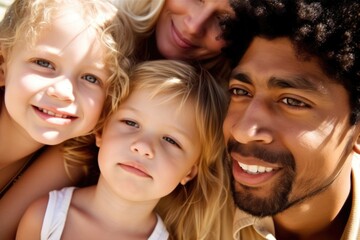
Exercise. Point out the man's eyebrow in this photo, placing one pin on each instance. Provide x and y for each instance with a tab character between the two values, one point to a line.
242	77
296	82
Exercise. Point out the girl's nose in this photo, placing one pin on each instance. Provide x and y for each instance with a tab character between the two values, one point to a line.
62	90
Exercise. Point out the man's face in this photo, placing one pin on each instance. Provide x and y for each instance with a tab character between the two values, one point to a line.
287	128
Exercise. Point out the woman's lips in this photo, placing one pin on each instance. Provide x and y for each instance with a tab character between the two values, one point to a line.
179	39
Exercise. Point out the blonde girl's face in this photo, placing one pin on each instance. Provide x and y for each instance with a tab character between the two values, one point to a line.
148	148
190	29
55	89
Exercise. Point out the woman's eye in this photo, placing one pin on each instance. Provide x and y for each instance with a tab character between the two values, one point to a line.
294	103
44	63
91	78
171	141
224	21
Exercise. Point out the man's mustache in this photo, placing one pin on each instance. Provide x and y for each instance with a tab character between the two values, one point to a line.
282	158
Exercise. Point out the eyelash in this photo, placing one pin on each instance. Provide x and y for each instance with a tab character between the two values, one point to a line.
235	92
295	103
47	64
171	141
94	80
166	138
130	123
291	102
44	63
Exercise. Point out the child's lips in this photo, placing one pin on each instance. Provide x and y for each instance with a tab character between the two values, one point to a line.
54	113
135	169
54	117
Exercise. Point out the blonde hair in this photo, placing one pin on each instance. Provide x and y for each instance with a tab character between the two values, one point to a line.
192	211
28	19
143	14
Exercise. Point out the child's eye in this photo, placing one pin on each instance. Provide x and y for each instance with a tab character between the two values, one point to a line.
44	63
171	141
91	78
130	123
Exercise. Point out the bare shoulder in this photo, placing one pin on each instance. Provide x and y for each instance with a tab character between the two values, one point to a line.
31	222
46	173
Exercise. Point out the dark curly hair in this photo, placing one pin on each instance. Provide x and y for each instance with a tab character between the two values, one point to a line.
327	29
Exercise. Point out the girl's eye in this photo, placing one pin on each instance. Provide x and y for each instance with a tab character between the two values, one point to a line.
294	102
238	92
44	63
171	141
130	123
91	79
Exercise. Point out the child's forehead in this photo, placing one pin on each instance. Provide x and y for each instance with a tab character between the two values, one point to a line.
68	15
66	30
176	102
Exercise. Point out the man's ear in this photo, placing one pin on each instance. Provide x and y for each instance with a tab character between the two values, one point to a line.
190	175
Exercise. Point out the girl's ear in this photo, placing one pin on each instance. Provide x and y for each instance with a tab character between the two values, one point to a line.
2	71
356	146
98	138
190	175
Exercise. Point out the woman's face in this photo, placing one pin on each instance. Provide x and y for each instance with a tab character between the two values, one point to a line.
190	29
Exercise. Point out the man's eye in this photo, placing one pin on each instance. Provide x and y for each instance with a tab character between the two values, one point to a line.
91	78
238	92
294	102
44	63
171	141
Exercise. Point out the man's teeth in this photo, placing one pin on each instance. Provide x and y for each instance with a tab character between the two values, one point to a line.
53	114
254	169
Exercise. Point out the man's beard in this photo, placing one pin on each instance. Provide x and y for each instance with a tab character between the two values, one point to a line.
278	199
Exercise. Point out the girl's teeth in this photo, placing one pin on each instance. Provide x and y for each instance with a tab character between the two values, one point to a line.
52	113
254	169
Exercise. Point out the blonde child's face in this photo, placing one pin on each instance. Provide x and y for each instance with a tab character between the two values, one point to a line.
55	88
147	148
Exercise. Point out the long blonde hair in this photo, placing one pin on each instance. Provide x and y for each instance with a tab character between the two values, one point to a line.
143	14
192	211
